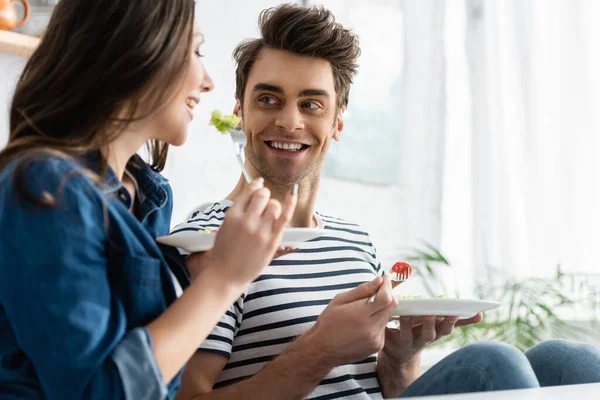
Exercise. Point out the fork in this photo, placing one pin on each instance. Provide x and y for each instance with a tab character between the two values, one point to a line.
399	278
239	142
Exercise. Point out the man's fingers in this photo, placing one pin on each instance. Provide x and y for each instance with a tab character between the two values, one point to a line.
445	327
470	321
427	332
383	298
360	292
406	329
383	315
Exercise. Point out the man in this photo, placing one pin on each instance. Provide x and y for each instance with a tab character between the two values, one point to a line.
307	327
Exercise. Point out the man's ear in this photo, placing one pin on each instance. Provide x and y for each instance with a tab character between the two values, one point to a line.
237	110
339	124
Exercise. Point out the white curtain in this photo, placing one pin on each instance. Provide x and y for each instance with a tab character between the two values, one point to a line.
521	179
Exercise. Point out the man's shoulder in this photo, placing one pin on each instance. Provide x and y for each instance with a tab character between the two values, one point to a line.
210	215
339	229
209	211
331	222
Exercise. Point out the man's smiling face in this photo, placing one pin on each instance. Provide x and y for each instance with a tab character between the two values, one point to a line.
290	116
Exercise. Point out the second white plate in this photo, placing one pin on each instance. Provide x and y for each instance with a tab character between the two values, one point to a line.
443	307
195	241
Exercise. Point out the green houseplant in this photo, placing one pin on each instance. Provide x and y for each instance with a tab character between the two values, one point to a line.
532	310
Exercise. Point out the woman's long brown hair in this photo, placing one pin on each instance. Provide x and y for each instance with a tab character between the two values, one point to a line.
99	61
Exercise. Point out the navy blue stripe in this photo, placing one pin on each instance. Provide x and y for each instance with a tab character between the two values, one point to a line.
331	228
215	351
249	361
220	338
287	306
376	389
272	292
365	361
236	305
216	211
330	217
336	239
277	325
348	377
226	326
314	275
213	205
334	248
206	219
263	343
228	382
232	315
278	262
331	220
194	229
337	395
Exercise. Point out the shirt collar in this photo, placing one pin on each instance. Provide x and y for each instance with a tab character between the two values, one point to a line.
152	193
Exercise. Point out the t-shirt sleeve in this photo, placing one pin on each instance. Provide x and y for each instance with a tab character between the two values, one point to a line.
220	339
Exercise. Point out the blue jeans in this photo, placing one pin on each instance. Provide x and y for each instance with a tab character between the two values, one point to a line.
488	366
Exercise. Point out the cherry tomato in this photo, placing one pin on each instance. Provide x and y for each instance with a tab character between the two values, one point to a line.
402	267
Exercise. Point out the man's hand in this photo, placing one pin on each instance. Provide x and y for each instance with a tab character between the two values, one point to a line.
416	333
399	361
352	328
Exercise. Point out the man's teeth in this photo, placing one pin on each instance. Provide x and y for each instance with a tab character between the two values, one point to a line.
191	103
286	146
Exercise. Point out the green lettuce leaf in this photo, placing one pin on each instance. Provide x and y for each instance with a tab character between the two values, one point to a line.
224	123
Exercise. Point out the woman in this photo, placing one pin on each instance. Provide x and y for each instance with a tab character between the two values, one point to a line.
87	301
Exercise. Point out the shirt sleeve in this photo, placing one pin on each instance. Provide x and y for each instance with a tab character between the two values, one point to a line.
378	269
220	340
56	295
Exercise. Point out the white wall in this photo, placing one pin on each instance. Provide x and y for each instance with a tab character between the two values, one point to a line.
205	168
10	70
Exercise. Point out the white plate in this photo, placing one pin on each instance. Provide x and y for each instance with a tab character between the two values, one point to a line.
443	307
195	241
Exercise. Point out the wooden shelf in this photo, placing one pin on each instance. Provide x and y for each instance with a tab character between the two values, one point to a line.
17	43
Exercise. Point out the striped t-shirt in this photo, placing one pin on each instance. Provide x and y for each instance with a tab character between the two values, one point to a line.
286	300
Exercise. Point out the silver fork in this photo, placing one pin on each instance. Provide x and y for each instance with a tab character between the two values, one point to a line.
239	142
399	278
396	280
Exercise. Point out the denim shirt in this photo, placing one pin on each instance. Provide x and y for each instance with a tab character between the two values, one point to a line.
78	283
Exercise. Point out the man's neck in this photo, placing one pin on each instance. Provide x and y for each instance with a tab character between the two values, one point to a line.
305	208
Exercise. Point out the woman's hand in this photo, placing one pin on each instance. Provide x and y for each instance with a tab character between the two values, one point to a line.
197	262
249	237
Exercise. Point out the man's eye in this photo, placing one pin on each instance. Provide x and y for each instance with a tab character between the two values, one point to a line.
311	104
268	100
